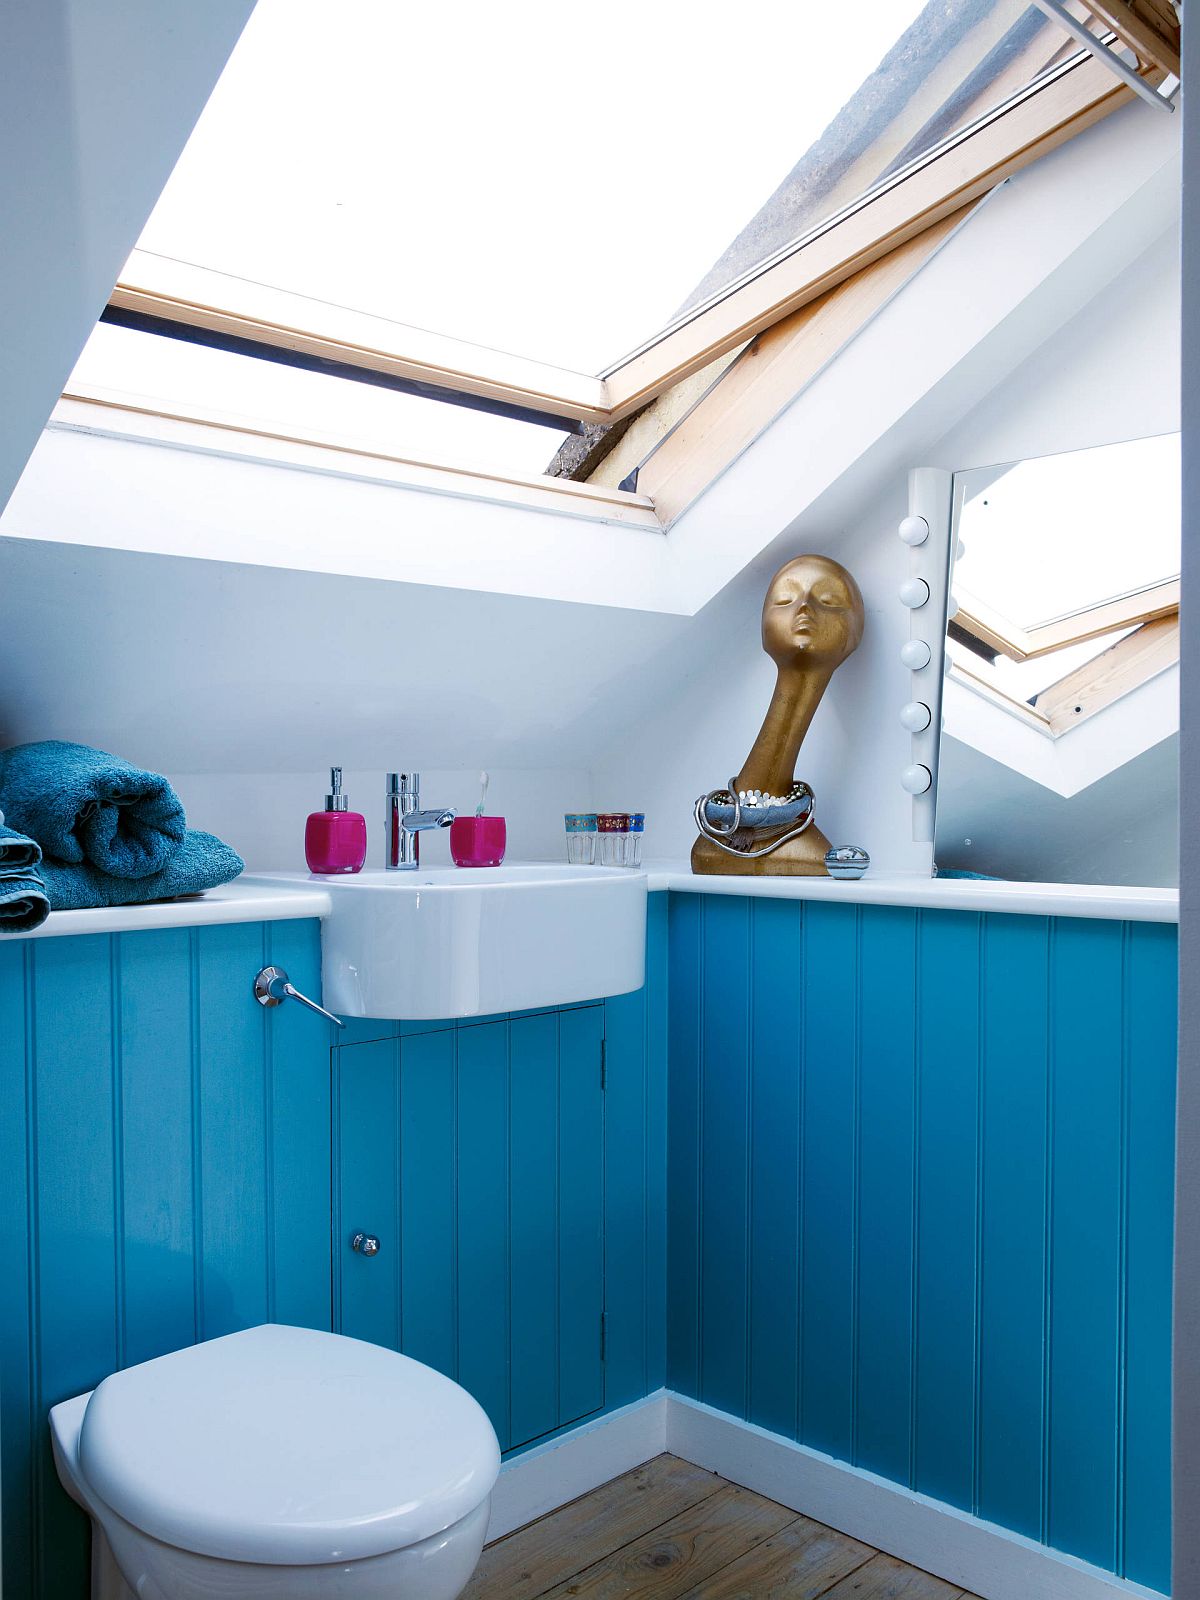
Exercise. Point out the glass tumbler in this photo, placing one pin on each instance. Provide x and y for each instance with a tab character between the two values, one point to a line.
633	839
581	837
612	827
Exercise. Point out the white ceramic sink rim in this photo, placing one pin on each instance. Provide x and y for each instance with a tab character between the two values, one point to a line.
443	942
525	875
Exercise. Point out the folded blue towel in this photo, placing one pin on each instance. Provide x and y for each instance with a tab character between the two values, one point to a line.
86	806
24	904
17	853
201	862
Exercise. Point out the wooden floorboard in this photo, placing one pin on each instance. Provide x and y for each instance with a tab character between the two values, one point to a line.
535	1558
801	1562
671	1531
673	1559
885	1578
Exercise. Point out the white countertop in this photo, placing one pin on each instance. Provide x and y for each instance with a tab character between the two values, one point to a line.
240	901
1112	901
259	899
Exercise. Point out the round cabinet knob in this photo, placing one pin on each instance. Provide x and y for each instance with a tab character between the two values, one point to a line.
916	716
365	1243
916	779
915	654
914	592
914	530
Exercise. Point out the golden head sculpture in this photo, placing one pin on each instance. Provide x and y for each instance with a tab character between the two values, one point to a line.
812	620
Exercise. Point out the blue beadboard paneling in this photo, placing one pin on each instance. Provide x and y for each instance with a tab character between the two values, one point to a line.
686	987
829	1174
946	1206
476	1154
483	1233
1084	1281
533	1223
774	1231
165	1172
947	1255
884	1233
1014	1046
581	1375
425	1234
724	1156
635	1176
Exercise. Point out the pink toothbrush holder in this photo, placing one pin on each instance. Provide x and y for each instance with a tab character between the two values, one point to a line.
478	841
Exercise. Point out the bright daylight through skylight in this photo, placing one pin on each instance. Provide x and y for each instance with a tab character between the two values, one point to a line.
545	179
1121	504
550	181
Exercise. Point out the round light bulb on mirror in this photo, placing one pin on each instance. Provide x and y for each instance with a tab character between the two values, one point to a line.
914	592
914	530
951	607
916	779
915	654
916	716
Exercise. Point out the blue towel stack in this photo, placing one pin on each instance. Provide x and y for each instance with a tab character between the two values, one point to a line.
102	832
24	904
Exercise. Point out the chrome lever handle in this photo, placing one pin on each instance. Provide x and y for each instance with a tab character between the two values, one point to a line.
272	987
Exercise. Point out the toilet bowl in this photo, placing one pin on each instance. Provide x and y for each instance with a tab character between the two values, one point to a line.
279	1462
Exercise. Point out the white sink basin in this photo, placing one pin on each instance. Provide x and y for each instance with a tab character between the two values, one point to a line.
467	942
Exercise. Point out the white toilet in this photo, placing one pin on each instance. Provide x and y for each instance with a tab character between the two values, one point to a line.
279	1462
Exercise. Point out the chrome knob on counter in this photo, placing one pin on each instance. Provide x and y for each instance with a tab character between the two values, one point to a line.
365	1243
272	987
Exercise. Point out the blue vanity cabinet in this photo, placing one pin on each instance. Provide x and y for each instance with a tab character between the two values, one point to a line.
164	1177
474	1153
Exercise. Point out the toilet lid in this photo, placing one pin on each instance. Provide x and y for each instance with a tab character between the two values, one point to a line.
284	1445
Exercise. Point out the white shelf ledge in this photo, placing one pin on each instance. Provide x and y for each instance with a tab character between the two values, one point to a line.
1114	902
234	902
257	900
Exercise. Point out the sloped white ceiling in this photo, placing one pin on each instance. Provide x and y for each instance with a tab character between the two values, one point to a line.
98	101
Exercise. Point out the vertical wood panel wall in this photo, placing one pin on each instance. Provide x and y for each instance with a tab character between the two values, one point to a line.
920	1200
164	1177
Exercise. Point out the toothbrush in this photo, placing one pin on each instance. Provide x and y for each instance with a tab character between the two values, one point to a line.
483	789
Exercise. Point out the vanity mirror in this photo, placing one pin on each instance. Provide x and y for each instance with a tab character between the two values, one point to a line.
1059	749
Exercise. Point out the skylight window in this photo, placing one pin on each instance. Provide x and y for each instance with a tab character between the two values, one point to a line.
559	182
171	377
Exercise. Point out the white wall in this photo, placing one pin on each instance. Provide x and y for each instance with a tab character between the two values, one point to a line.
98	102
246	684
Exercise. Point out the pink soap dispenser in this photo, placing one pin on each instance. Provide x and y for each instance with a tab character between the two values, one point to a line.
335	840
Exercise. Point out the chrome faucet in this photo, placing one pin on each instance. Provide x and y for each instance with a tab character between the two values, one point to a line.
405	822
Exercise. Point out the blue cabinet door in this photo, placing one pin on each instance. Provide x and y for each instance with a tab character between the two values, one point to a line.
475	1154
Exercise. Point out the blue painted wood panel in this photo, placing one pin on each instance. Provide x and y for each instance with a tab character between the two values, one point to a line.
919	1189
164	1161
476	1154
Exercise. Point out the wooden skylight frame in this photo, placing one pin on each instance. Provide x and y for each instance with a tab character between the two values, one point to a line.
160	294
1150	649
1007	638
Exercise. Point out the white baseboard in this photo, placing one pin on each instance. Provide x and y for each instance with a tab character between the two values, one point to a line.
552	1474
979	1556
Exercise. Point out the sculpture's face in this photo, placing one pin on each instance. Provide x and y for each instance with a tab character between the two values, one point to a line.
813	614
